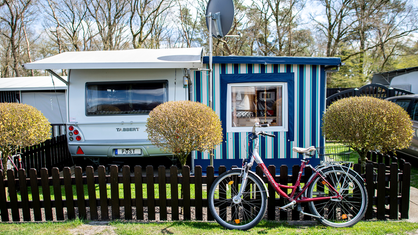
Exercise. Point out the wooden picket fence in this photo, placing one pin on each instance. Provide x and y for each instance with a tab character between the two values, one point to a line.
51	153
154	195
389	192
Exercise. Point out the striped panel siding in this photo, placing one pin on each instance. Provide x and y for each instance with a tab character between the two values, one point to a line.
309	101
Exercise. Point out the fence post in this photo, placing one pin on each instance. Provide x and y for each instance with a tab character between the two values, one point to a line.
57	193
210	172
46	193
162	193
48	154
91	189
222	195
150	192
35	195
24	195
3	200
69	193
406	184
387	160
174	193
271	210
381	187
12	194
295	172
308	173
370	190
139	203
103	193
393	197
186	192
81	204
114	192
380	158
126	171
198	193
284	180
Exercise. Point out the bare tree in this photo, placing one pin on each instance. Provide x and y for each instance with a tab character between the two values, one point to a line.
259	15
67	25
337	27
145	18
284	15
110	17
13	15
379	24
189	25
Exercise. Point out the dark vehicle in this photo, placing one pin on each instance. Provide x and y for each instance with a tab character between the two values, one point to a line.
410	104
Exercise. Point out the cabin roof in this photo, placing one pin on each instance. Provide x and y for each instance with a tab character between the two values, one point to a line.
325	61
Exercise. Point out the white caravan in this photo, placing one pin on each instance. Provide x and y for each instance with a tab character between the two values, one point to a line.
110	94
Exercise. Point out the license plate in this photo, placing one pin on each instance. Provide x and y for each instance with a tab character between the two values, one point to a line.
128	151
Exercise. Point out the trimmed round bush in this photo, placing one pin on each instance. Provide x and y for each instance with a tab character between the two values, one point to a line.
21	125
368	124
180	127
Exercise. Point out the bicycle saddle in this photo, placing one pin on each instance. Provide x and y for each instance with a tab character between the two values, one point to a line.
304	150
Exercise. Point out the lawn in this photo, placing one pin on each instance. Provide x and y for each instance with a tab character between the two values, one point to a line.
82	227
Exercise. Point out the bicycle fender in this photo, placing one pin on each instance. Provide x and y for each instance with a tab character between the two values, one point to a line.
254	174
344	168
265	187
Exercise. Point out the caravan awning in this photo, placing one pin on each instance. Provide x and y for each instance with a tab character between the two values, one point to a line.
123	59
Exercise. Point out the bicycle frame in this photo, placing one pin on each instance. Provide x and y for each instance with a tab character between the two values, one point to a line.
12	162
294	199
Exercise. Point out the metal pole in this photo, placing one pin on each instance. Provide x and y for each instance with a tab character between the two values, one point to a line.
210	73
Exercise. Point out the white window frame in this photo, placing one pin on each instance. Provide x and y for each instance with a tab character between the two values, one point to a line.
285	107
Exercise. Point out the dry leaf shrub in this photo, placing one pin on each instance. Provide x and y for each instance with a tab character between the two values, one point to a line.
368	124
21	125
180	127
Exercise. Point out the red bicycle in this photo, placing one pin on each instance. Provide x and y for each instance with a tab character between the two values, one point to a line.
335	193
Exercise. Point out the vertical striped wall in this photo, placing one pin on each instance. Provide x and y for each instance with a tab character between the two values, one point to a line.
309	102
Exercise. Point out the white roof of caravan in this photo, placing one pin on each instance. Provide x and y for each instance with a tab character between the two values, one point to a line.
123	59
31	83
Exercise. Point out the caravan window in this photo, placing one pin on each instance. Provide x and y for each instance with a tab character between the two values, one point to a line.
124	97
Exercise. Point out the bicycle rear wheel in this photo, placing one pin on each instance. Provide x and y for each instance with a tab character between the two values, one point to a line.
344	212
237	213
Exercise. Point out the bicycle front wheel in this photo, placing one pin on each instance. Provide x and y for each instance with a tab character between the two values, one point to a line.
343	212
231	211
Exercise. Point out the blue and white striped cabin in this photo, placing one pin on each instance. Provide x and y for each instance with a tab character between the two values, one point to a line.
293	101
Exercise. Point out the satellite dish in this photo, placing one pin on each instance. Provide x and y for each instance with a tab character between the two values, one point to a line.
222	12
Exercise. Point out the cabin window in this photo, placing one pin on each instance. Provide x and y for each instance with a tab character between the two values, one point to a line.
265	103
124	98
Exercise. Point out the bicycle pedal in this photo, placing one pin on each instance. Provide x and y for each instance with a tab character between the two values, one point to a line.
299	208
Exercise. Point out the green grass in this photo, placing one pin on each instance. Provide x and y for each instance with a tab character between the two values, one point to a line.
264	227
52	228
414	176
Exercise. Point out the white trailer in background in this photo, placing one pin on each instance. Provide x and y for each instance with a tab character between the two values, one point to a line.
110	94
45	93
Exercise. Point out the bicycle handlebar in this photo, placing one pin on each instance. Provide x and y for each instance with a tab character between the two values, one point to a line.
266	134
261	132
